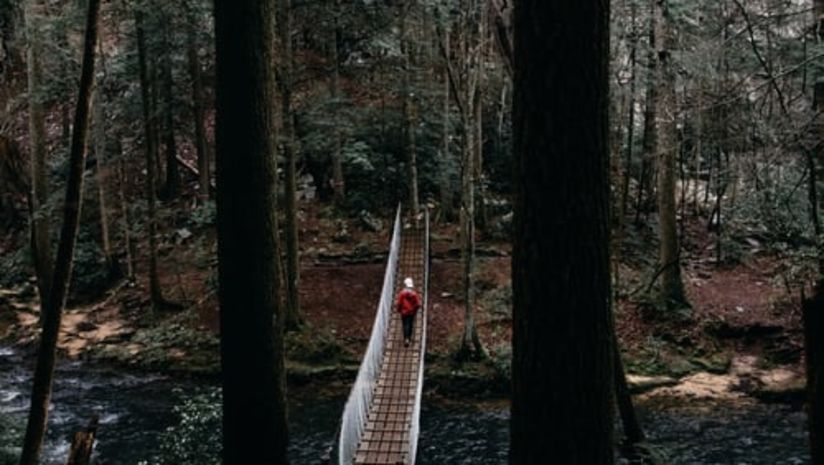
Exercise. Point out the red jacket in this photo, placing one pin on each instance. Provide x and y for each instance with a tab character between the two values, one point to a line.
408	302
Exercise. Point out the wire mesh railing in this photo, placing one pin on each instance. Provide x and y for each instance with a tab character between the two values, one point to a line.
415	428
357	406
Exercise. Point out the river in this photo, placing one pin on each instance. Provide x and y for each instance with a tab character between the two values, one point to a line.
135	410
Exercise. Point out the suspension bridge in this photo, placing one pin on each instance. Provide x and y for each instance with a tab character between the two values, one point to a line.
381	420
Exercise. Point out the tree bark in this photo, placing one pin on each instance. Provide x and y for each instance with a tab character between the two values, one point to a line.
672	287
198	105
630	121
563	355
254	389
112	267
155	291
410	118
338	182
39	211
124	211
650	137
172	186
80	452
470	342
444	165
813	318
813	308
294	317
633	433
46	356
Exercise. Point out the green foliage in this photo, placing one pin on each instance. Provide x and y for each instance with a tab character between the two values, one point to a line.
204	215
15	267
11	436
196	439
89	274
649	361
312	346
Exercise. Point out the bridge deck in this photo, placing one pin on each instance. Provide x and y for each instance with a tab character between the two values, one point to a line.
385	439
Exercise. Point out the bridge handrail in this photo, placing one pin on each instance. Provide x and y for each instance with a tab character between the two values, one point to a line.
360	398
415	428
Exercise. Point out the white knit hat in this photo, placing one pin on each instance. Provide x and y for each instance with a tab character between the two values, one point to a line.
408	283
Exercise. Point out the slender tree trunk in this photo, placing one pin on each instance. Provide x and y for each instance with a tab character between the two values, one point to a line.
46	355
478	170
650	137
478	165
124	211
40	236
563	356
410	117
444	168
293	313
254	388
172	188
410	111
672	287
201	144
630	122
151	149
470	342
99	135
338	183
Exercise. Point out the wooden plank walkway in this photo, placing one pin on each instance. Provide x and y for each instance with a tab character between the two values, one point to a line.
385	439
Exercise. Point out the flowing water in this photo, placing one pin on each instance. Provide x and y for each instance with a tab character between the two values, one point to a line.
135	410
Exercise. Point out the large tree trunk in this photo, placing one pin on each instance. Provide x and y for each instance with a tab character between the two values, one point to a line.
665	147
40	237
813	309
563	356
151	159
198	112
254	389
46	355
294	318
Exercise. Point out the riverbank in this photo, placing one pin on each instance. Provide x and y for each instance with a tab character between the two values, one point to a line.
164	420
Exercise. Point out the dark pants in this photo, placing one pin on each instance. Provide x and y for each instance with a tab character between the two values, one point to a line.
408	325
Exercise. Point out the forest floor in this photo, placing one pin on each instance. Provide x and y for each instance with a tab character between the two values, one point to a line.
741	338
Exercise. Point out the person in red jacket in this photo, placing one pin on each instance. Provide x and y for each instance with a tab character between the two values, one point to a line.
409	302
